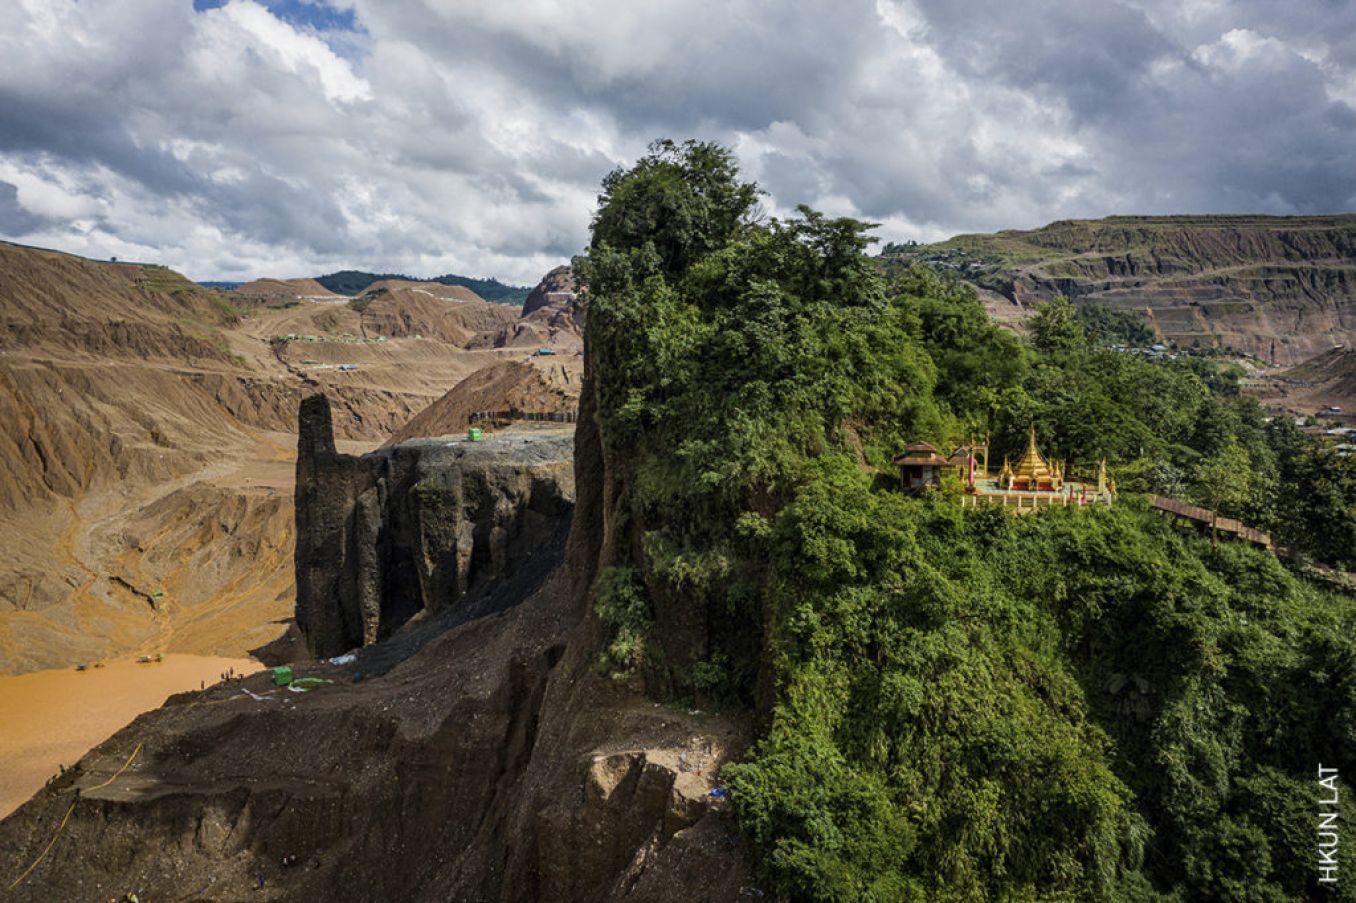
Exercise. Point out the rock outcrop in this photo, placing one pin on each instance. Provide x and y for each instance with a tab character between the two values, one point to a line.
414	527
552	315
554	288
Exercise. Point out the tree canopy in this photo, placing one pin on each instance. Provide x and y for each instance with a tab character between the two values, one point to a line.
682	201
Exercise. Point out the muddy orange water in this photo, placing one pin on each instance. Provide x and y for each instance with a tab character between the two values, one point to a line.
52	718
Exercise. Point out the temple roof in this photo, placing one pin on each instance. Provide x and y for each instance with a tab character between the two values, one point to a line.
919	454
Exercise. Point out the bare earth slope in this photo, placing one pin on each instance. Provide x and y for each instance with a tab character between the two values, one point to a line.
1332	375
1252	283
147	440
1324	382
109	382
288	289
509	386
449	313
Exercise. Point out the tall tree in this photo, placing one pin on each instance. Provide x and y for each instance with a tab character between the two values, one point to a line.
1056	327
683	201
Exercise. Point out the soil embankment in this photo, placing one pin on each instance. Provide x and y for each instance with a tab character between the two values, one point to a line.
511	387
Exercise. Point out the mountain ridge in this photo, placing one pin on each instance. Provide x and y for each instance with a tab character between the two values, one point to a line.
1280	288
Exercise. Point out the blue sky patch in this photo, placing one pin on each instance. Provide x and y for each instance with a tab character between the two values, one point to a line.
300	14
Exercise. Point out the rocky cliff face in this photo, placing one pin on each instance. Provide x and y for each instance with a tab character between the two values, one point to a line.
1253	283
551	316
414	527
123	385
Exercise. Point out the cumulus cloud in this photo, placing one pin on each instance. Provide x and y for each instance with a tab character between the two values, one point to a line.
240	138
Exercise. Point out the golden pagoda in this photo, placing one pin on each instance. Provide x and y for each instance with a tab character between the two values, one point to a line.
1032	473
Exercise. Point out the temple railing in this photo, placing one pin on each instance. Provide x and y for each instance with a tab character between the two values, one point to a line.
1030	501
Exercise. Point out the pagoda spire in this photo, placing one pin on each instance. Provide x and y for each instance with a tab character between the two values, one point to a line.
1033	467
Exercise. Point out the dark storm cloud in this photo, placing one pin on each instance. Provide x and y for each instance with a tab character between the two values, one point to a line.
431	135
87	133
1091	56
1232	114
257	203
1342	117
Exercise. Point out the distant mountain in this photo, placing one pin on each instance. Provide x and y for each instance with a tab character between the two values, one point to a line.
1282	288
222	286
352	282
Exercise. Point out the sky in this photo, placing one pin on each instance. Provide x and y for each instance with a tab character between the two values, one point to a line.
232	139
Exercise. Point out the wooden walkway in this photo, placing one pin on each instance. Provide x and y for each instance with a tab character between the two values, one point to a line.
1207	518
1342	580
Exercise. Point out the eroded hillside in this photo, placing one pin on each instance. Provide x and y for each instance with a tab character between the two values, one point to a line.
1282	287
498	761
147	436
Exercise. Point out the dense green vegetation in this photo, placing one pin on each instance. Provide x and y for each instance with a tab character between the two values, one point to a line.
1114	326
1180	428
958	704
352	282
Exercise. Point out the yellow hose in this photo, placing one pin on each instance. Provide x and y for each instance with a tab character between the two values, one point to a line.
65	818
